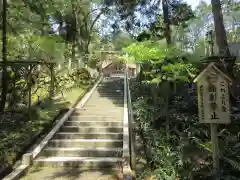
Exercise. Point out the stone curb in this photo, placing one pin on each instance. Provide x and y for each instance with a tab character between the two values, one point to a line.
27	159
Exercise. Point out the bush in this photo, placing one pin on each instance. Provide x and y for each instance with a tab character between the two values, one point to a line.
183	152
81	76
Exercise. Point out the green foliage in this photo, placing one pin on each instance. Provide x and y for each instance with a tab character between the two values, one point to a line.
18	131
163	63
187	153
35	48
51	48
81	76
165	108
146	50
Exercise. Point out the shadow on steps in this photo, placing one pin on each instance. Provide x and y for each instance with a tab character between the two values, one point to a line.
71	173
113	89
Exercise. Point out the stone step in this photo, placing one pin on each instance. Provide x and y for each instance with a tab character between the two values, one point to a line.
105	104
94	135
94	123
83	162
95	118
101	108
109	87
87	143
116	92
106	84
91	129
83	152
103	100
106	100
106	97
98	110
115	86
98	113
94	105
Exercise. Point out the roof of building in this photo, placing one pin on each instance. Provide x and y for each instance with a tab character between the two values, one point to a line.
106	63
131	65
211	65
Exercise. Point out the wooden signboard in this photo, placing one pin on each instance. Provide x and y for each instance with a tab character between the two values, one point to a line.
213	97
213	104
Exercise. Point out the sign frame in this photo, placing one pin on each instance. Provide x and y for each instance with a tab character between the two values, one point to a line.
213	95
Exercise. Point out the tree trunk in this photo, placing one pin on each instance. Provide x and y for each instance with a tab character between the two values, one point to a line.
4	58
221	36
73	52
51	87
167	34
167	30
73	56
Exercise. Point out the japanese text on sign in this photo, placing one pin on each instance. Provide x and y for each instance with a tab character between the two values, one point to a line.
223	97
213	98
202	102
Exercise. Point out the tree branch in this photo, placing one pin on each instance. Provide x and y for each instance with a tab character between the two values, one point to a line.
92	25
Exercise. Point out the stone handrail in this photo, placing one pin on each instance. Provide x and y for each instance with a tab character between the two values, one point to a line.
128	133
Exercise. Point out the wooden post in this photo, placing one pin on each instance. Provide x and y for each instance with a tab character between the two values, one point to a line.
69	64
213	105
51	88
27	159
133	148
29	90
166	111
215	150
29	95
167	118
79	64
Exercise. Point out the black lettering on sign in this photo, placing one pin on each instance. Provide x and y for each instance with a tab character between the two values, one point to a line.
212	88
222	90
214	115
224	109
213	105
212	96
212	101
222	84
223	97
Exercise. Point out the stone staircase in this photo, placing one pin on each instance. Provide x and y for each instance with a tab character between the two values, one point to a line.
92	138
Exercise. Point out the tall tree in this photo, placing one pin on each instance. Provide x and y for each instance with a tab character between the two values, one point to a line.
221	35
166	20
4	57
175	16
